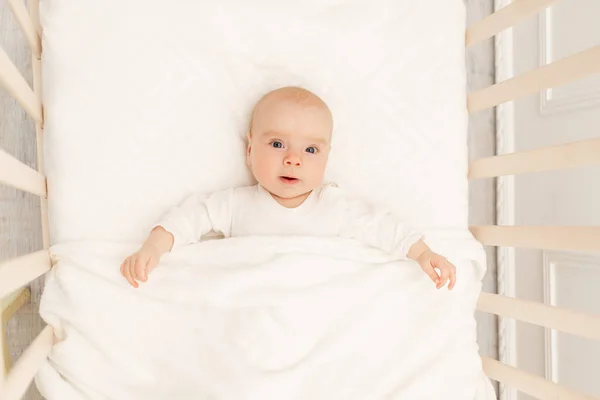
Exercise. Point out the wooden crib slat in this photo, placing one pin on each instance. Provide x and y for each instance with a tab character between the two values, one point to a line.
18	300
17	87
4	355
562	319
34	12
568	155
503	19
529	383
27	366
36	66
21	14
575	238
555	74
17	174
19	271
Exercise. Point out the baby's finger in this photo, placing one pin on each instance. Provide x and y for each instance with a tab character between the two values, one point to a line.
140	269
452	277
127	273
445	274
152	263
131	264
124	267
132	274
431	273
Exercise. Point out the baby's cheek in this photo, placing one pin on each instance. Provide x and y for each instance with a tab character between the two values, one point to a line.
320	168
314	175
263	165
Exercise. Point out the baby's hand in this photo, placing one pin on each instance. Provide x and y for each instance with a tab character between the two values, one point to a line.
430	261
138	265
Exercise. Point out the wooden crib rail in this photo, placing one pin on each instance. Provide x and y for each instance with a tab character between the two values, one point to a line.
27	366
20	271
34	13
555	74
570	238
17	174
528	383
574	238
17	87
503	19
570	155
30	30
562	319
12	171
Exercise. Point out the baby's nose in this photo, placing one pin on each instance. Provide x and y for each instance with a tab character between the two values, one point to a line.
292	160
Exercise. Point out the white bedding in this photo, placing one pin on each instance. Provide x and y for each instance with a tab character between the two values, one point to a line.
263	318
147	101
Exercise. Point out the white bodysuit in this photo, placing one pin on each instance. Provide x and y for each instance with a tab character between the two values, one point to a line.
251	210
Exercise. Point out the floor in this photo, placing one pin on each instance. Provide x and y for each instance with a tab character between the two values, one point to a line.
20	215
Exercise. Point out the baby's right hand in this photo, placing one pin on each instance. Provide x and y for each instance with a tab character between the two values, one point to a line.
138	265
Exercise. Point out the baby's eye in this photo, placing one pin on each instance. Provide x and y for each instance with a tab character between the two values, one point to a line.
312	150
277	144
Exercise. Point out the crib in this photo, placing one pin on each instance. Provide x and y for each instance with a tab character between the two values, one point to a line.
17	273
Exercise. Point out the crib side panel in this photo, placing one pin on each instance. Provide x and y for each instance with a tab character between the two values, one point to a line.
20	218
573	238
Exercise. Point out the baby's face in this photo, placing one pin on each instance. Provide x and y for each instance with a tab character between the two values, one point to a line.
289	146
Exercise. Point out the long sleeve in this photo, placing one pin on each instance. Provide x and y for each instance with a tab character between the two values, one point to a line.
377	228
198	215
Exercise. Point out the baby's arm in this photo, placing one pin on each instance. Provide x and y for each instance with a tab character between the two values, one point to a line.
142	262
384	230
186	223
198	215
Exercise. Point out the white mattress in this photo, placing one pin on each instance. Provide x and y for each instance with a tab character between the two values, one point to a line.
147	101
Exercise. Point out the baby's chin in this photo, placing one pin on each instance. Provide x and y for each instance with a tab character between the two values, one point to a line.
288	187
290	190
288	193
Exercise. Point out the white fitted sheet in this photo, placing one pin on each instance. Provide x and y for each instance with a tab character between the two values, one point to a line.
147	101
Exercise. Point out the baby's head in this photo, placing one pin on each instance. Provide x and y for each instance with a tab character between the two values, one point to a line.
289	142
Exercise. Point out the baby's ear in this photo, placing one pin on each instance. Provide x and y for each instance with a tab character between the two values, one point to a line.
249	139
248	148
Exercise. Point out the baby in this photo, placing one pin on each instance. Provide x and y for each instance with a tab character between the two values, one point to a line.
288	147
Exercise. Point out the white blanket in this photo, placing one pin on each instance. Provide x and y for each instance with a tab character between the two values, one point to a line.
263	318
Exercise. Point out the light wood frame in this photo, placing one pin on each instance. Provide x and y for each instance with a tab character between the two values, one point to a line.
15	274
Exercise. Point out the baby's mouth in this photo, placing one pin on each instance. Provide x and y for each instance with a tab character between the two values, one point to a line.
288	179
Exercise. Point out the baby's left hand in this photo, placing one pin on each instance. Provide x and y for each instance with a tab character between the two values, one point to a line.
430	261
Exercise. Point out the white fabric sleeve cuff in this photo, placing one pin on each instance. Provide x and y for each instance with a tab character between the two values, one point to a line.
169	228
402	250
